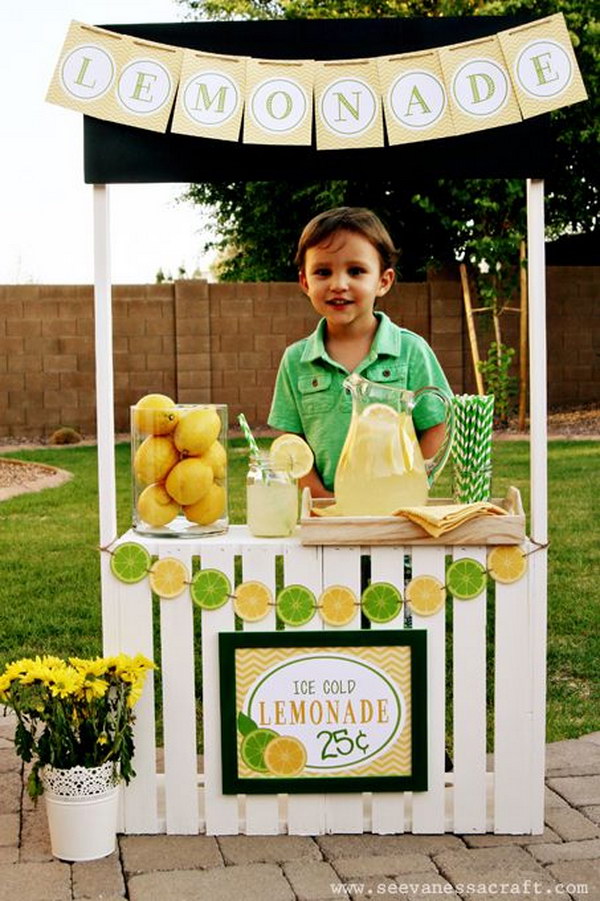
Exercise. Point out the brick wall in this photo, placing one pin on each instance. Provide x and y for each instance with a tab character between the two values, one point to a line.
198	342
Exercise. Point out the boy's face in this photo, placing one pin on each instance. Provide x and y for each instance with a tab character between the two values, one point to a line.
343	278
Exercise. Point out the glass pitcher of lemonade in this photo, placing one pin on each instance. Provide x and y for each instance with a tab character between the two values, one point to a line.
381	467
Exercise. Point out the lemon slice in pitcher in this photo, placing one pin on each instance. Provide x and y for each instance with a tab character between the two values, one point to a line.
291	453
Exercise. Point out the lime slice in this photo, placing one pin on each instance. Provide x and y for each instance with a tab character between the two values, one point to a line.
253	747
337	605
210	589
507	563
291	453
252	601
168	577
296	605
285	756
426	595
130	562
466	578
381	602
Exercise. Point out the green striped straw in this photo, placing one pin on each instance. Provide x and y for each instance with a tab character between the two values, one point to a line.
254	449
472	447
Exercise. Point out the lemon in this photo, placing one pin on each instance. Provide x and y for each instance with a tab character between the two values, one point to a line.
252	601
426	595
189	480
507	563
216	458
337	605
155	506
291	453
381	413
209	508
285	756
196	431
154	458
168	577
155	414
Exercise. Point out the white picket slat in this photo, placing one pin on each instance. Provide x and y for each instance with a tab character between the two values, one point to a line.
513	710
469	706
428	807
302	565
387	565
341	566
221	811
536	593
258	564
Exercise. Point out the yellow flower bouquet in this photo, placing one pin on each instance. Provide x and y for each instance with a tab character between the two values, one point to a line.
74	712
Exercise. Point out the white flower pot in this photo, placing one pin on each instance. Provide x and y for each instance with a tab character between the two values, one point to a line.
82	806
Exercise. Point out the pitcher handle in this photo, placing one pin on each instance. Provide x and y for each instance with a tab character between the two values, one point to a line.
439	459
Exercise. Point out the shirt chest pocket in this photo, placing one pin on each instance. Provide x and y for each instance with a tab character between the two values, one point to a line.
388	372
315	393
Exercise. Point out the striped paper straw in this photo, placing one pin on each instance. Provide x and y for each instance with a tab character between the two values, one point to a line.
472	447
254	449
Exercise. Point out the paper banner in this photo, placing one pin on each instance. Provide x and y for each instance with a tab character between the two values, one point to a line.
279	102
210	100
415	102
116	77
542	64
479	85
348	104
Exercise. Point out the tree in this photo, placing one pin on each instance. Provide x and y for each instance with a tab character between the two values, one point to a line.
257	223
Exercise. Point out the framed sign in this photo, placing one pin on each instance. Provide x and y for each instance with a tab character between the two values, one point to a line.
319	711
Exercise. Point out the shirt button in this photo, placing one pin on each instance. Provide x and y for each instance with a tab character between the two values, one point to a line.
315	383
386	373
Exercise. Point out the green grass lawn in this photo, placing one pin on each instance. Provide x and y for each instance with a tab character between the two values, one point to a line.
50	594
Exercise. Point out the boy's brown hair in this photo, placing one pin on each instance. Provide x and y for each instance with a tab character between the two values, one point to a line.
353	219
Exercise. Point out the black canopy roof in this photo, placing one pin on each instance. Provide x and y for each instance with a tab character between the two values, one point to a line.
118	153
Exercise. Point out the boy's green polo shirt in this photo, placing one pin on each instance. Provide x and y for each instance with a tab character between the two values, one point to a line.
310	399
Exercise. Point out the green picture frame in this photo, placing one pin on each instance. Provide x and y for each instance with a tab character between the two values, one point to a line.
327	653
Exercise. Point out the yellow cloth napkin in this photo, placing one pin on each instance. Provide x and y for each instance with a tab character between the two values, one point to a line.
435	519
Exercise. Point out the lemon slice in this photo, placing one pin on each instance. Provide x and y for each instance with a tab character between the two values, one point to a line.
507	563
285	756
292	453
337	605
381	602
130	562
252	749
210	589
252	601
380	413
466	578
426	595
296	605
168	577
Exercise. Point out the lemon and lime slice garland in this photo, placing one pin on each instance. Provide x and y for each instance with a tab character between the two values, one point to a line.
472	447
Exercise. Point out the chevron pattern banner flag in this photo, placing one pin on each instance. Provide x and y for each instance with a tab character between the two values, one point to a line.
443	91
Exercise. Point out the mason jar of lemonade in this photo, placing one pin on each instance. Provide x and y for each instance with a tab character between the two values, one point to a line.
179	467
271	499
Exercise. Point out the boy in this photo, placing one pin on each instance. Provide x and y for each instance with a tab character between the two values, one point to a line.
346	261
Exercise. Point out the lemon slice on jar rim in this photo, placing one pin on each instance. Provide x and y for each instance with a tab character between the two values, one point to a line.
291	453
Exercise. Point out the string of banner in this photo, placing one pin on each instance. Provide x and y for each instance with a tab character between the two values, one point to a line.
434	93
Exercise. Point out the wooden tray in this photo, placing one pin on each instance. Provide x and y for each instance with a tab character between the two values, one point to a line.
395	530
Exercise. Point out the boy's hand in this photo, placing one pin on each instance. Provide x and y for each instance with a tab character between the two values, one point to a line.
314	483
431	440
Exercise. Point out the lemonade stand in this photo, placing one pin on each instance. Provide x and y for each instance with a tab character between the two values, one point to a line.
324	708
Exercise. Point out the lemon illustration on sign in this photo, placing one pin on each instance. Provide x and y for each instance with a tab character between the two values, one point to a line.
466	578
296	605
216	458
155	414
381	602
189	480
337	605
155	505
210	589
426	595
292	454
130	562
507	563
168	577
252	750
285	756
209	508
252	601
154	459
196	431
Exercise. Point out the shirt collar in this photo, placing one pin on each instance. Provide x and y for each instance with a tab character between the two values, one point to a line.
386	341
